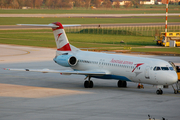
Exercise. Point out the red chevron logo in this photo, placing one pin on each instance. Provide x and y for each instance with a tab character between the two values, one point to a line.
58	36
137	65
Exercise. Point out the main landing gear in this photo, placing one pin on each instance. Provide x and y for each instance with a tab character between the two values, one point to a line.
121	83
88	83
159	92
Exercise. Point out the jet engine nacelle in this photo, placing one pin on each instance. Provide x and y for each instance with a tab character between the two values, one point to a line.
66	60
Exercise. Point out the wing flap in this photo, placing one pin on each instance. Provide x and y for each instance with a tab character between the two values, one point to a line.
65	72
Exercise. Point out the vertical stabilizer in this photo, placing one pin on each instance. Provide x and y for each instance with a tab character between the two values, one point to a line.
61	39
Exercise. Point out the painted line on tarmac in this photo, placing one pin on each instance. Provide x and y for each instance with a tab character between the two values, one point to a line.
26	52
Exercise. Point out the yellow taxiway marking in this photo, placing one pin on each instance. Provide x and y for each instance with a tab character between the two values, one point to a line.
10	90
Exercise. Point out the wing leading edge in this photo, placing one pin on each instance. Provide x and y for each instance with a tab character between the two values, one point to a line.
65	72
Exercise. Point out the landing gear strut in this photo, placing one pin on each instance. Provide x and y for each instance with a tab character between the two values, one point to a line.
159	92
122	83
88	83
175	90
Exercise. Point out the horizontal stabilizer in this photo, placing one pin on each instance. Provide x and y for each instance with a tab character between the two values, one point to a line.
61	39
48	25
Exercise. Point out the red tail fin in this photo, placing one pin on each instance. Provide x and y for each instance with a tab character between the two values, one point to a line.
61	38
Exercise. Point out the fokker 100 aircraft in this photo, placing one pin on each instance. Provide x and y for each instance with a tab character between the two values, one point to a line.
107	66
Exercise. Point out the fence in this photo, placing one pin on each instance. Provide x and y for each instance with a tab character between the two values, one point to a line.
124	30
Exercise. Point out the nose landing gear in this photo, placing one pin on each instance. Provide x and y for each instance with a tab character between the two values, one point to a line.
176	90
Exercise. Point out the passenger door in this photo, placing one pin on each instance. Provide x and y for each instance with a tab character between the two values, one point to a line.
147	72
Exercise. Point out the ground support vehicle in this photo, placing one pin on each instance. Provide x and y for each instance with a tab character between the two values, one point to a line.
173	39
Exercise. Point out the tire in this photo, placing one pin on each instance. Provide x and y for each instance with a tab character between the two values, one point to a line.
161	92
86	84
158	92
124	84
119	84
91	84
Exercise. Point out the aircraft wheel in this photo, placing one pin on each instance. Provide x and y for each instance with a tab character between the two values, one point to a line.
91	84
86	84
122	83
119	84
159	92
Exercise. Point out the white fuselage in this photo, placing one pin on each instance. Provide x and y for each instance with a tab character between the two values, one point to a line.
127	68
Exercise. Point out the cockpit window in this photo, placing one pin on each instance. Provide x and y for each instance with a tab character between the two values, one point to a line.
164	68
156	68
171	68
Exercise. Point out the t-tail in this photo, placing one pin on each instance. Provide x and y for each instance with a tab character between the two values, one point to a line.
61	39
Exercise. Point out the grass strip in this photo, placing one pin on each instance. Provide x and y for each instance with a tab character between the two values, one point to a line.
45	38
168	50
32	20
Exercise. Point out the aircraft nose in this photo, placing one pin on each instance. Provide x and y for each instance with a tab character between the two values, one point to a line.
172	78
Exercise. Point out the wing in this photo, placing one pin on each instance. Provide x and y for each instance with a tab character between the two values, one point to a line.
65	72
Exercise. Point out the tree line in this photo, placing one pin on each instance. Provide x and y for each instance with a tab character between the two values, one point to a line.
55	4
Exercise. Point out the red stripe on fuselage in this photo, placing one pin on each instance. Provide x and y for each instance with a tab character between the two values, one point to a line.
65	48
137	65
